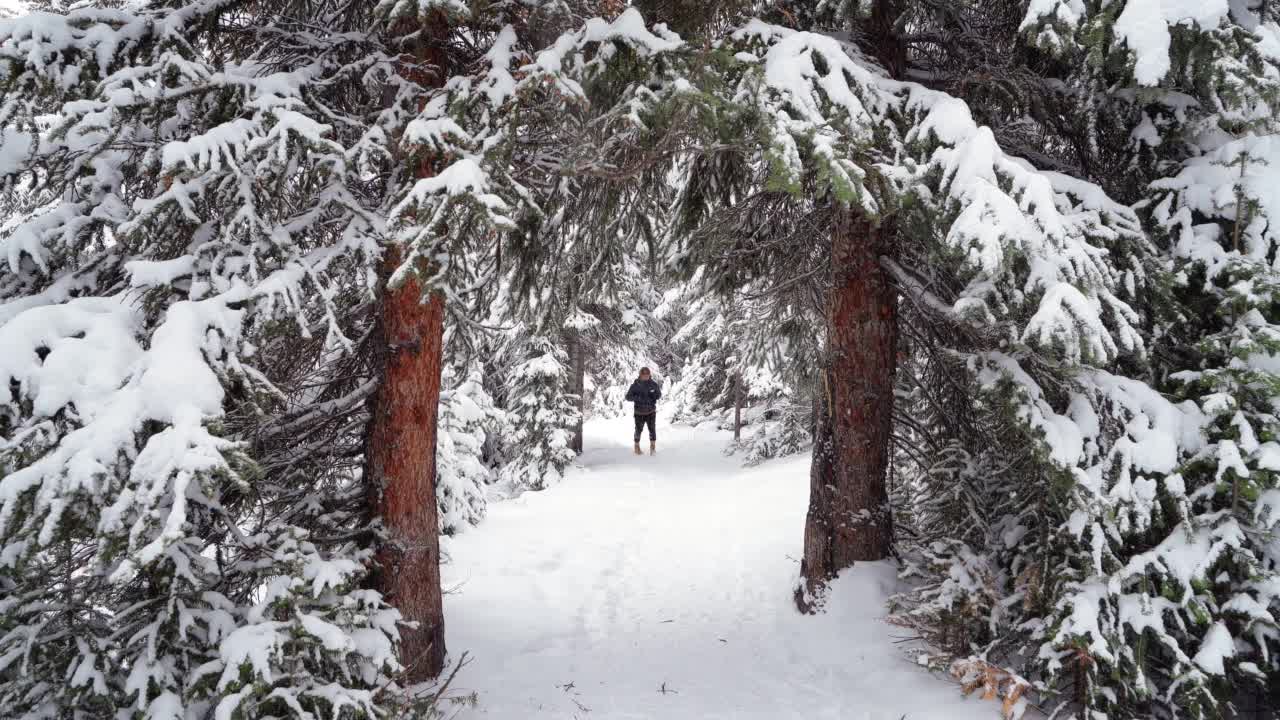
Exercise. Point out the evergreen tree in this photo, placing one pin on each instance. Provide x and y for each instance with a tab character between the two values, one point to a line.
1157	556
468	418
1173	610
540	416
180	182
208	200
1020	259
927	169
734	357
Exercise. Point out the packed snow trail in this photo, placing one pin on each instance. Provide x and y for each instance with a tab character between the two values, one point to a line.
661	587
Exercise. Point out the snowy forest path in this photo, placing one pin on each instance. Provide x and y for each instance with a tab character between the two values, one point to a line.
661	587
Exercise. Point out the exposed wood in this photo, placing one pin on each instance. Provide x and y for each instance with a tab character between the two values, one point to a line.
848	517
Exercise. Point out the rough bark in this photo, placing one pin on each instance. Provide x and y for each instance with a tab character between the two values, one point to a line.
737	406
881	31
400	441
848	518
400	468
578	385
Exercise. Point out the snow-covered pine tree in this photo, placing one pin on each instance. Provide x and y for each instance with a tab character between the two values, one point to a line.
464	145
706	342
1177	612
541	417
181	179
197	198
1127	649
468	418
828	128
408	357
745	351
831	131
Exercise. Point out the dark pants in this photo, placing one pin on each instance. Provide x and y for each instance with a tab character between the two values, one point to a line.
641	421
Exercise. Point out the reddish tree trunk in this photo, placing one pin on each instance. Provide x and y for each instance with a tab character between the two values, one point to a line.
400	442
400	468
578	385
737	406
848	518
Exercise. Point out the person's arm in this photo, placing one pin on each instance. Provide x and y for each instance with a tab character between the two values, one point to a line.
633	393
656	392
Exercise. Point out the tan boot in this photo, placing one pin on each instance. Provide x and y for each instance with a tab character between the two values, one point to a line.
638	448
653	447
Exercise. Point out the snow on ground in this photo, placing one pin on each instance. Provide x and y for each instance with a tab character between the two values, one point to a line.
674	571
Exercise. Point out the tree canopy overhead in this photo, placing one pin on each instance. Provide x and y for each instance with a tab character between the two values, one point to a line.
1050	220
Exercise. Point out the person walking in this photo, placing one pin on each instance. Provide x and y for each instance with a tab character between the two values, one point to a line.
645	392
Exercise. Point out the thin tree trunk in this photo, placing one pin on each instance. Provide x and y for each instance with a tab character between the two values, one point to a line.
848	517
816	409
737	406
578	385
400	441
881	31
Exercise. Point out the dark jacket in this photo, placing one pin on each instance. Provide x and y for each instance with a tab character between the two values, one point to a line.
645	394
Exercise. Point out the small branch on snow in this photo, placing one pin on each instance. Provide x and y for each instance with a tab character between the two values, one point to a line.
463	661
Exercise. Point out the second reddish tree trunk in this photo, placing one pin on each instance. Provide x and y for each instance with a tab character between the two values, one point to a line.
848	517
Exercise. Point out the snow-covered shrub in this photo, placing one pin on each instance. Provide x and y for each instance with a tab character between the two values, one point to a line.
722	340
467	418
789	431
698	393
540	418
777	417
312	624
